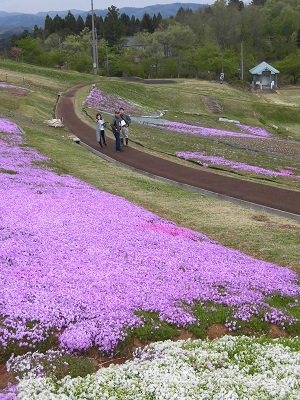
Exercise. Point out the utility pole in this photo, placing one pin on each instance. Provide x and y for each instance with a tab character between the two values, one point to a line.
95	55
222	75
222	54
242	60
107	66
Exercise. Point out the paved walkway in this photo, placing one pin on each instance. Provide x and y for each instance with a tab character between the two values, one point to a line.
256	195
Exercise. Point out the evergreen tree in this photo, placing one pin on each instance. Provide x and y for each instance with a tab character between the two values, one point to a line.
183	15
88	22
113	28
38	32
80	24
70	23
147	24
126	22
136	24
98	21
49	25
58	24
236	3
156	20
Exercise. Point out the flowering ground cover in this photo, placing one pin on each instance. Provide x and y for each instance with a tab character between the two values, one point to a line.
99	99
18	91
206	161
7	86
83	270
203	131
227	368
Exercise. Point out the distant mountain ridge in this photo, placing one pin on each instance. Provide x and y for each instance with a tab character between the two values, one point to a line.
15	23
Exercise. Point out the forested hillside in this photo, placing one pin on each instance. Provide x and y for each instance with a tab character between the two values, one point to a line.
229	36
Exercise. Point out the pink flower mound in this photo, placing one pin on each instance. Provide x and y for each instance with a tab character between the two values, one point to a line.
80	261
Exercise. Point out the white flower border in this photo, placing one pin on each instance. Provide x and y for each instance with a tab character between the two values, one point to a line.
227	368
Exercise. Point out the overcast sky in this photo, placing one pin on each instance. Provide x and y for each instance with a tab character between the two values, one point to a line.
34	6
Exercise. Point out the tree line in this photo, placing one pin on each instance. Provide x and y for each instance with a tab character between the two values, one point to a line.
228	37
122	24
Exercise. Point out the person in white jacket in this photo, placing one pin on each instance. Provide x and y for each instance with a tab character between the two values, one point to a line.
100	131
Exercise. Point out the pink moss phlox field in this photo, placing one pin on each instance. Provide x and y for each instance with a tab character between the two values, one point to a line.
203	159
6	86
79	262
107	102
6	126
203	131
260	132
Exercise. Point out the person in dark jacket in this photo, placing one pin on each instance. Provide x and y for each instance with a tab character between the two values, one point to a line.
116	127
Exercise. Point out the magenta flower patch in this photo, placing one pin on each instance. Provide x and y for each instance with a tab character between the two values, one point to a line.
6	126
254	130
20	89
79	262
203	131
107	102
213	160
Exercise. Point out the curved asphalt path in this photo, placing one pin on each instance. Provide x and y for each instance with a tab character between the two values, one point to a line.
254	195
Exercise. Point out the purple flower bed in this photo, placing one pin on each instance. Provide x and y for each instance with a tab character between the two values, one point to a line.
9	127
254	130
203	131
107	102
79	261
203	159
6	86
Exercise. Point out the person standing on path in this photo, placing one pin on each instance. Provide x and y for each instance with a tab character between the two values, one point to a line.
125	122
100	132
116	127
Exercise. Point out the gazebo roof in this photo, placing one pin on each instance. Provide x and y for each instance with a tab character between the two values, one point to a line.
263	66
